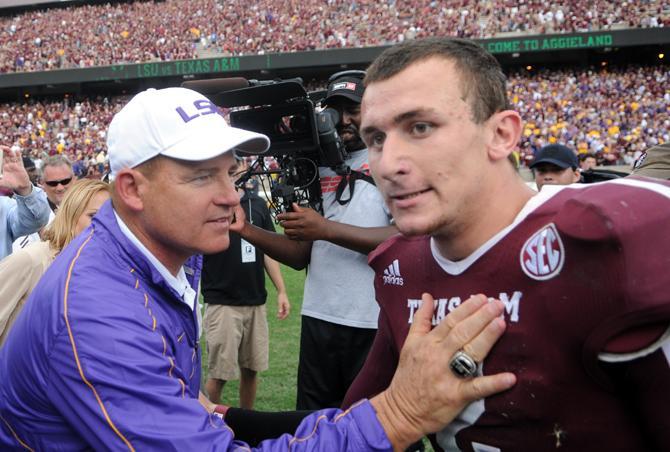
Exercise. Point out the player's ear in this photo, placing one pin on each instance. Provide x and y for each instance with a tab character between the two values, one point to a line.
505	128
128	187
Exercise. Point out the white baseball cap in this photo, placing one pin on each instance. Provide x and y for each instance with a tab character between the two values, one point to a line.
175	122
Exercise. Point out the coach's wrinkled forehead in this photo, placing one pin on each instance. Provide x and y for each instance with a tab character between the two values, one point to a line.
175	122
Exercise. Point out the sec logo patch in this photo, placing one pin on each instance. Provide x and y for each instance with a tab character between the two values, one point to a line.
542	255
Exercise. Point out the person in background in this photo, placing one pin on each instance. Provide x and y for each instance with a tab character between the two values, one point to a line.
235	323
339	311
57	175
56	178
34	175
555	164
31	169
587	162
27	210
20	271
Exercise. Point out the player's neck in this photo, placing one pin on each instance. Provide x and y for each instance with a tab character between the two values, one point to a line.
458	241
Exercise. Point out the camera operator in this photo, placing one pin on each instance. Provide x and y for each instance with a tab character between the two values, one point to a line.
339	312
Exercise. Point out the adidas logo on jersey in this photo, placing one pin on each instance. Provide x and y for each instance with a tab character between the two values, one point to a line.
392	274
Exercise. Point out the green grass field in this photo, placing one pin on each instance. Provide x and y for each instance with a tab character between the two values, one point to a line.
276	388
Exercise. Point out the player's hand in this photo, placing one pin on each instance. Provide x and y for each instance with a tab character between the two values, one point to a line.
14	175
283	306
424	395
304	224
240	219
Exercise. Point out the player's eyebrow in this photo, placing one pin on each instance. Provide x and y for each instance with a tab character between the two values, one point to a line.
412	114
400	118
368	130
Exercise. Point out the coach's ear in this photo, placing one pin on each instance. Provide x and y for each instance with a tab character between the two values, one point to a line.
128	186
505	127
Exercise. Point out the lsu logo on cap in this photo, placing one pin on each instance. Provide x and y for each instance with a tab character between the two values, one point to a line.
543	255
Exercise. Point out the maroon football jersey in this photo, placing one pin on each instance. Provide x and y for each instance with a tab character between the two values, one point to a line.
584	272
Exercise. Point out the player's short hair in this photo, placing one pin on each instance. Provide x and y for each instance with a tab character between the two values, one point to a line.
483	82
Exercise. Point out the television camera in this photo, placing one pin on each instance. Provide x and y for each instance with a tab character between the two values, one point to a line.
303	136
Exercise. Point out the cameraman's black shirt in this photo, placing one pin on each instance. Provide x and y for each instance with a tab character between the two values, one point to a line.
225	278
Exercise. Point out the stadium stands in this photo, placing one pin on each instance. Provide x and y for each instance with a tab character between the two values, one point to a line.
613	112
95	35
76	129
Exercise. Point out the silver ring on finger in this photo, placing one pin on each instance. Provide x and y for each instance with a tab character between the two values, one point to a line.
463	365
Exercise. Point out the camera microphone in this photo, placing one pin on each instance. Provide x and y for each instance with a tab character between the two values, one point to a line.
216	85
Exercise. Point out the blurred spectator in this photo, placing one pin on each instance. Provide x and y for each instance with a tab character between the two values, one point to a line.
27	210
133	32
587	162
31	169
33	174
57	177
555	164
20	272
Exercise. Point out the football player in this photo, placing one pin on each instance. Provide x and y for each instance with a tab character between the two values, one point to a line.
582	269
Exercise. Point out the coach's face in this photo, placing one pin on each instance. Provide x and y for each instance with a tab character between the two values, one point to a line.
426	153
187	207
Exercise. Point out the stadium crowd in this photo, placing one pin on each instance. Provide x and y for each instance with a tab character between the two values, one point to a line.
96	35
73	128
614	113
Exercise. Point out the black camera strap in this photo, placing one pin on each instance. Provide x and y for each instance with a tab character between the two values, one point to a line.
350	181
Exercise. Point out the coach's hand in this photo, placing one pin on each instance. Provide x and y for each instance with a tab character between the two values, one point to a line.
304	223
424	395
240	219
